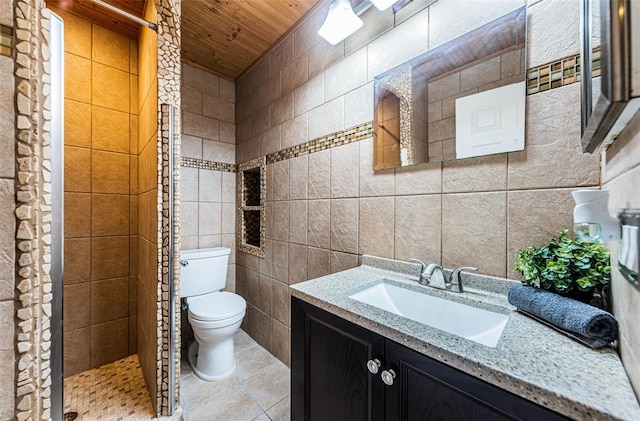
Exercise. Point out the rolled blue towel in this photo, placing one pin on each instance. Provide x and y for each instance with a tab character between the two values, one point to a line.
565	313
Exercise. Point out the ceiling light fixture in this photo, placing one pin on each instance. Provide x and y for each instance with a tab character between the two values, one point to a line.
341	22
383	4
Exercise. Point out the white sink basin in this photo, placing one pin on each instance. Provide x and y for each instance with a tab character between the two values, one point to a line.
472	323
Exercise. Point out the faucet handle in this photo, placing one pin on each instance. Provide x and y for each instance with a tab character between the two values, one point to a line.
455	276
423	264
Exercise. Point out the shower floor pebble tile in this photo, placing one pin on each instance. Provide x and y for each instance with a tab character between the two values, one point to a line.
258	390
115	391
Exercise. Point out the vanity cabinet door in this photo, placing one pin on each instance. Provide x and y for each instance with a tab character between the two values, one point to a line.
330	379
425	389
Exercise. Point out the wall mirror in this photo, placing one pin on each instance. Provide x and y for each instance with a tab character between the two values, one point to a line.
251	192
464	98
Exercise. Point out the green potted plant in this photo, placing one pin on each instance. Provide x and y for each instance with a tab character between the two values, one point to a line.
566	266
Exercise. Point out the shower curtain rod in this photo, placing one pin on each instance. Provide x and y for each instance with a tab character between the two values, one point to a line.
126	14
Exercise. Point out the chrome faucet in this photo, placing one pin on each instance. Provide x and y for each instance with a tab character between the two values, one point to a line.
433	276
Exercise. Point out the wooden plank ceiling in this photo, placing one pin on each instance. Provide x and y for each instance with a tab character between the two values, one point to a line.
97	14
222	36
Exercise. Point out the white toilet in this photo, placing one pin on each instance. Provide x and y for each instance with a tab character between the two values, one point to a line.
215	315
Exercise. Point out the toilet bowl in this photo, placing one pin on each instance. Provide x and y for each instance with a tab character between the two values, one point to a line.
214	315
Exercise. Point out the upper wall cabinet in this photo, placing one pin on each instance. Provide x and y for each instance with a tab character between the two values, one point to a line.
464	98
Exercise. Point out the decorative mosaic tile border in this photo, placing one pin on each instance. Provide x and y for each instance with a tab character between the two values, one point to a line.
329	141
559	73
206	165
6	41
241	229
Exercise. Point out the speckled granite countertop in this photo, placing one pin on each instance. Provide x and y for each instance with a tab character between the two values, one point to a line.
530	360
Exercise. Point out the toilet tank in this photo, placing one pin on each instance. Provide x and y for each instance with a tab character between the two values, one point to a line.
203	270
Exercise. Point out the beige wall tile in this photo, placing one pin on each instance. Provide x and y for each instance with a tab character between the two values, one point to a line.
227	132
484	173
553	31
109	172
270	91
318	228
281	180
189	243
227	90
281	55
320	175
343	261
218	109
7	121
281	110
109	300
265	299
281	344
191	100
191	146
298	222
534	217
77	78
548	114
209	218
418	229
450	19
376	23
77	215
306	36
424	179
298	177
295	131
344	225
77	260
218	152
481	74
373	183
77	306
408	39
475	232
189	184
109	214
228	187
327	118
345	170
200	126
77	123
200	80
110	87
77	169
109	48
260	121
109	130
270	141
319	262
228	218
109	257
297	263
376	226
281	301
281	221
108	343
7	317
77	351
624	153
295	74
309	95
322	55
358	106
281	261
208	241
210	186
346	75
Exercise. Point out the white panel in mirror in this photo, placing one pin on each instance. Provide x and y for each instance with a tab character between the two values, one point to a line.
490	122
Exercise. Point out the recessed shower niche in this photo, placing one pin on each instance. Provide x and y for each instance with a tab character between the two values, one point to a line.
251	190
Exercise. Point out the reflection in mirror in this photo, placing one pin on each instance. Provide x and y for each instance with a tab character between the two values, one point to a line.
464	98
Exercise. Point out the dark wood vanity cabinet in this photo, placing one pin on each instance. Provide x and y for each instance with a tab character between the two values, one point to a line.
330	379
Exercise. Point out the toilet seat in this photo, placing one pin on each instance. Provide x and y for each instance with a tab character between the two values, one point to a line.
216	306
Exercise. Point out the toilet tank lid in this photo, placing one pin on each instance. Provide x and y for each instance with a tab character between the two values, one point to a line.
204	253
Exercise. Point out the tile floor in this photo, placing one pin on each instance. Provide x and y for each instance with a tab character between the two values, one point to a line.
258	390
115	391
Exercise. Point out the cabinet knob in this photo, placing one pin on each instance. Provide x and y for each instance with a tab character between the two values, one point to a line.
373	365
388	376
